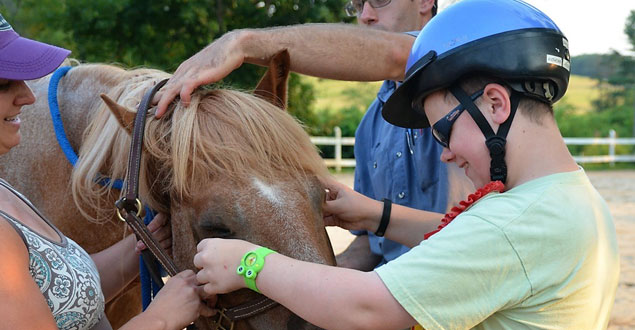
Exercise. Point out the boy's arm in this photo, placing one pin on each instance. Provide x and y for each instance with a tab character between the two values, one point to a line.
327	296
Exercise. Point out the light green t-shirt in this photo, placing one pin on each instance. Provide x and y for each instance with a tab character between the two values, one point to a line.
542	255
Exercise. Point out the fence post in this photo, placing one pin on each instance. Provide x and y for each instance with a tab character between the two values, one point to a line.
338	149
612	136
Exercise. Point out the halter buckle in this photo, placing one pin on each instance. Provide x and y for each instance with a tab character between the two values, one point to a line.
123	203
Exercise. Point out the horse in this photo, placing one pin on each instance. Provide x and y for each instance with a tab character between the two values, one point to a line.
231	165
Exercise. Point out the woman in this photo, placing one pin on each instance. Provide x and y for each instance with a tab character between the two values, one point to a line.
48	281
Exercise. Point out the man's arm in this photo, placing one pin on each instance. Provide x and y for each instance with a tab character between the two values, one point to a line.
333	51
358	255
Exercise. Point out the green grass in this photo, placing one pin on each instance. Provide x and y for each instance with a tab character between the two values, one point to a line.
334	95
581	91
607	166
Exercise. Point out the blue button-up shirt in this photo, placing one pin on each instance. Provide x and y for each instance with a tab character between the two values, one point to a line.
399	164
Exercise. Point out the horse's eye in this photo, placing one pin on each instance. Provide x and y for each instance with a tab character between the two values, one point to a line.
215	230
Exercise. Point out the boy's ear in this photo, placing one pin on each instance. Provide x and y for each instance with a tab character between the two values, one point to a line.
498	102
273	85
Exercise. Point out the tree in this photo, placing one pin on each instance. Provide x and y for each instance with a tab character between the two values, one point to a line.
629	29
629	67
164	33
616	77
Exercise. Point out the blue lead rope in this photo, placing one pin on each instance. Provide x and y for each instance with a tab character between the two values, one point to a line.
60	133
149	288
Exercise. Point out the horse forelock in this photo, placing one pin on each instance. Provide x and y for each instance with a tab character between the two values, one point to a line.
221	134
233	135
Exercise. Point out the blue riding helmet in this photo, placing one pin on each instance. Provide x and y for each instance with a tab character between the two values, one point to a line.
507	39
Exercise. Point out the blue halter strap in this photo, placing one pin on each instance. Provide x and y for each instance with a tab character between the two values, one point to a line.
148	287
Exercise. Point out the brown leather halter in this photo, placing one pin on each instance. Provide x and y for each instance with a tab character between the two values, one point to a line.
131	207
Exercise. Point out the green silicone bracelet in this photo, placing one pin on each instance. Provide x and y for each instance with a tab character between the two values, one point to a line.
251	264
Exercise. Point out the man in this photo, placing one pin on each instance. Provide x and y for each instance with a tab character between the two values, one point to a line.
392	163
536	247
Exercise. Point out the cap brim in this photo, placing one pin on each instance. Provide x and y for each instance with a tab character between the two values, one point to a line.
398	109
26	59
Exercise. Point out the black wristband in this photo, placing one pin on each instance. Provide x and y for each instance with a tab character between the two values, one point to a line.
385	218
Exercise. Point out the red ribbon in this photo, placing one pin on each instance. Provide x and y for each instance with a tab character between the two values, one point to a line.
463	205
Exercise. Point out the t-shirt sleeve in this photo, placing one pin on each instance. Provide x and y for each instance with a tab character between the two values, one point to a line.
458	277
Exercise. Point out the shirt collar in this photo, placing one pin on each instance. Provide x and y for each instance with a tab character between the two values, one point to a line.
387	88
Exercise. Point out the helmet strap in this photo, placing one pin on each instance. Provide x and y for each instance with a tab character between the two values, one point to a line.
495	142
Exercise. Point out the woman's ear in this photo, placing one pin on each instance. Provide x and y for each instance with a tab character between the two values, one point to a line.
425	6
497	99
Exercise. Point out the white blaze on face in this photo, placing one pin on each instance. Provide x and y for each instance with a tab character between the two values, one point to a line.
271	193
286	214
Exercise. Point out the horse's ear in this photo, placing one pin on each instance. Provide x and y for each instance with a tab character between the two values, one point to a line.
273	85
124	116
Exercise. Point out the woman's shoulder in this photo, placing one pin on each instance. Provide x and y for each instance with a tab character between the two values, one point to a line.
18	286
9	187
12	246
4	182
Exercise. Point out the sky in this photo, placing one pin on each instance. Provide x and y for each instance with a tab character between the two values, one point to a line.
592	26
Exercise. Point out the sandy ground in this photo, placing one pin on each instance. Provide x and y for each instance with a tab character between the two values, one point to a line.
618	188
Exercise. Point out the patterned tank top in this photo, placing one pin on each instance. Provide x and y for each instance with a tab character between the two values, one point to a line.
65	273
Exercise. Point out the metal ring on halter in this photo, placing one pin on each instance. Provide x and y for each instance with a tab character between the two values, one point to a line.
223	318
139	209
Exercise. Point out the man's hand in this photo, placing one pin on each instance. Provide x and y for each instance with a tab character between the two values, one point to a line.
209	65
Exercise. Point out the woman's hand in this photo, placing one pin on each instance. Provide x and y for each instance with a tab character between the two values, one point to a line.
118	265
349	209
161	230
179	302
218	260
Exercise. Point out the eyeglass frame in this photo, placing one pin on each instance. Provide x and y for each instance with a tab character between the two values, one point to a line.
351	11
442	128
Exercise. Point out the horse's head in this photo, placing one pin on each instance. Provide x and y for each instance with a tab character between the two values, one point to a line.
233	165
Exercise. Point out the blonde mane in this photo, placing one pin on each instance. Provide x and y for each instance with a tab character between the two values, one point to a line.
222	134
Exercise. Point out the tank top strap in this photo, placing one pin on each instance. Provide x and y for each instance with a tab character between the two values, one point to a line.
35	209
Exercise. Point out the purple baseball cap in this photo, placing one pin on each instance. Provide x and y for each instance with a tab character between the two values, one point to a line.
26	59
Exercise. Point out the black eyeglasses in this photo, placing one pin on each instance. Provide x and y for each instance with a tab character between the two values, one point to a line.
442	129
355	7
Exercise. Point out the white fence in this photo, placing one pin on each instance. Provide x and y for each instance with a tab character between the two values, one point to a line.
611	141
338	141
